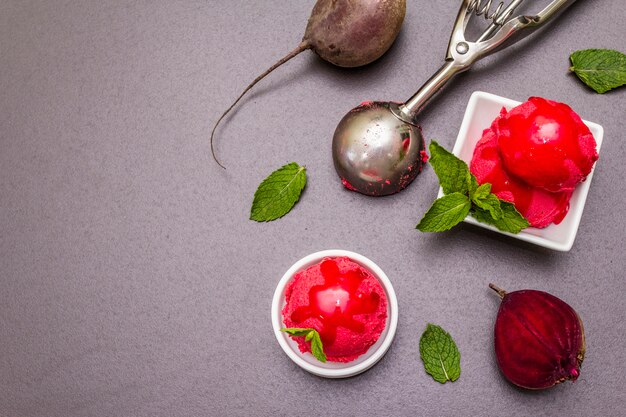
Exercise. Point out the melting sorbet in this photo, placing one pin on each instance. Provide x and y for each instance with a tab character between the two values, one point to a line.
534	156
343	301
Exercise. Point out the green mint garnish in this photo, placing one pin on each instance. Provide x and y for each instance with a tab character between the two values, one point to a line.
278	193
463	196
481	192
296	331
316	346
440	355
445	213
600	69
453	173
485	200
310	335
511	221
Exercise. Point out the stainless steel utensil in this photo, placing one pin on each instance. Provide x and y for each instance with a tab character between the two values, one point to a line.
378	147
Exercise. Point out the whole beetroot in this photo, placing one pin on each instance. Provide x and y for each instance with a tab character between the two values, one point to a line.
539	339
346	33
353	33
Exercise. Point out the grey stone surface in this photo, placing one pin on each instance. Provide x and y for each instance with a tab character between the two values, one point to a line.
132	282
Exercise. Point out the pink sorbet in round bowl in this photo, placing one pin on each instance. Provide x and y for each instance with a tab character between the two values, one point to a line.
340	299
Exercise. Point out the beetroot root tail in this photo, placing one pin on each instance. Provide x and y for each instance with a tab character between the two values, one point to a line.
303	46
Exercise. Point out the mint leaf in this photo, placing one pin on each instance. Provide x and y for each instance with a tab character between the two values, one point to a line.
453	174
445	213
296	331
312	335
440	355
490	203
316	347
481	192
278	193
465	196
473	184
511	221
484	199
600	69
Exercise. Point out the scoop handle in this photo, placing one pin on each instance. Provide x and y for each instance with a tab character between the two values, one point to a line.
409	110
502	33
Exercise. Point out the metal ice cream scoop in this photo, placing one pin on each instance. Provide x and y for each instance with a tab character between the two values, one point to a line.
378	147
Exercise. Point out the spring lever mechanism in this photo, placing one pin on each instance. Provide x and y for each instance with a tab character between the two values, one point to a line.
498	16
503	31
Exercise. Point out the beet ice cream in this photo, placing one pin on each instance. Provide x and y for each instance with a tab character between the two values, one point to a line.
534	156
546	145
343	301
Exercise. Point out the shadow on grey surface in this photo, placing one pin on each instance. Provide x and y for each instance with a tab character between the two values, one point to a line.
535	250
459	235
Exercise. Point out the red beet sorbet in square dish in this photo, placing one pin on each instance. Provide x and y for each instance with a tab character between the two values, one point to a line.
534	156
340	299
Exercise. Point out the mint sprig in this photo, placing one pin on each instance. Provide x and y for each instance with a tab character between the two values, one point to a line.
601	69
453	173
445	213
441	357
510	220
310	335
463	196
485	200
278	193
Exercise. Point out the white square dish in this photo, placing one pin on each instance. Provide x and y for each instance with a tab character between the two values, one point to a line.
481	110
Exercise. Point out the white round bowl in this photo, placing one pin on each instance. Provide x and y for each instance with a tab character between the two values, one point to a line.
335	369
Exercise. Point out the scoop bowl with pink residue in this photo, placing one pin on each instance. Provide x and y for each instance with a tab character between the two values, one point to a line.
378	147
375	152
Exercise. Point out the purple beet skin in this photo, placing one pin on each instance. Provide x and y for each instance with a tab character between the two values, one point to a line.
539	339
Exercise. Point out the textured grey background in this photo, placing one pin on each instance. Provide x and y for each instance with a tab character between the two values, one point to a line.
132	282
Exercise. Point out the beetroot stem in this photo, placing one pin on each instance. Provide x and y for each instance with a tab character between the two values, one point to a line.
304	45
497	289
